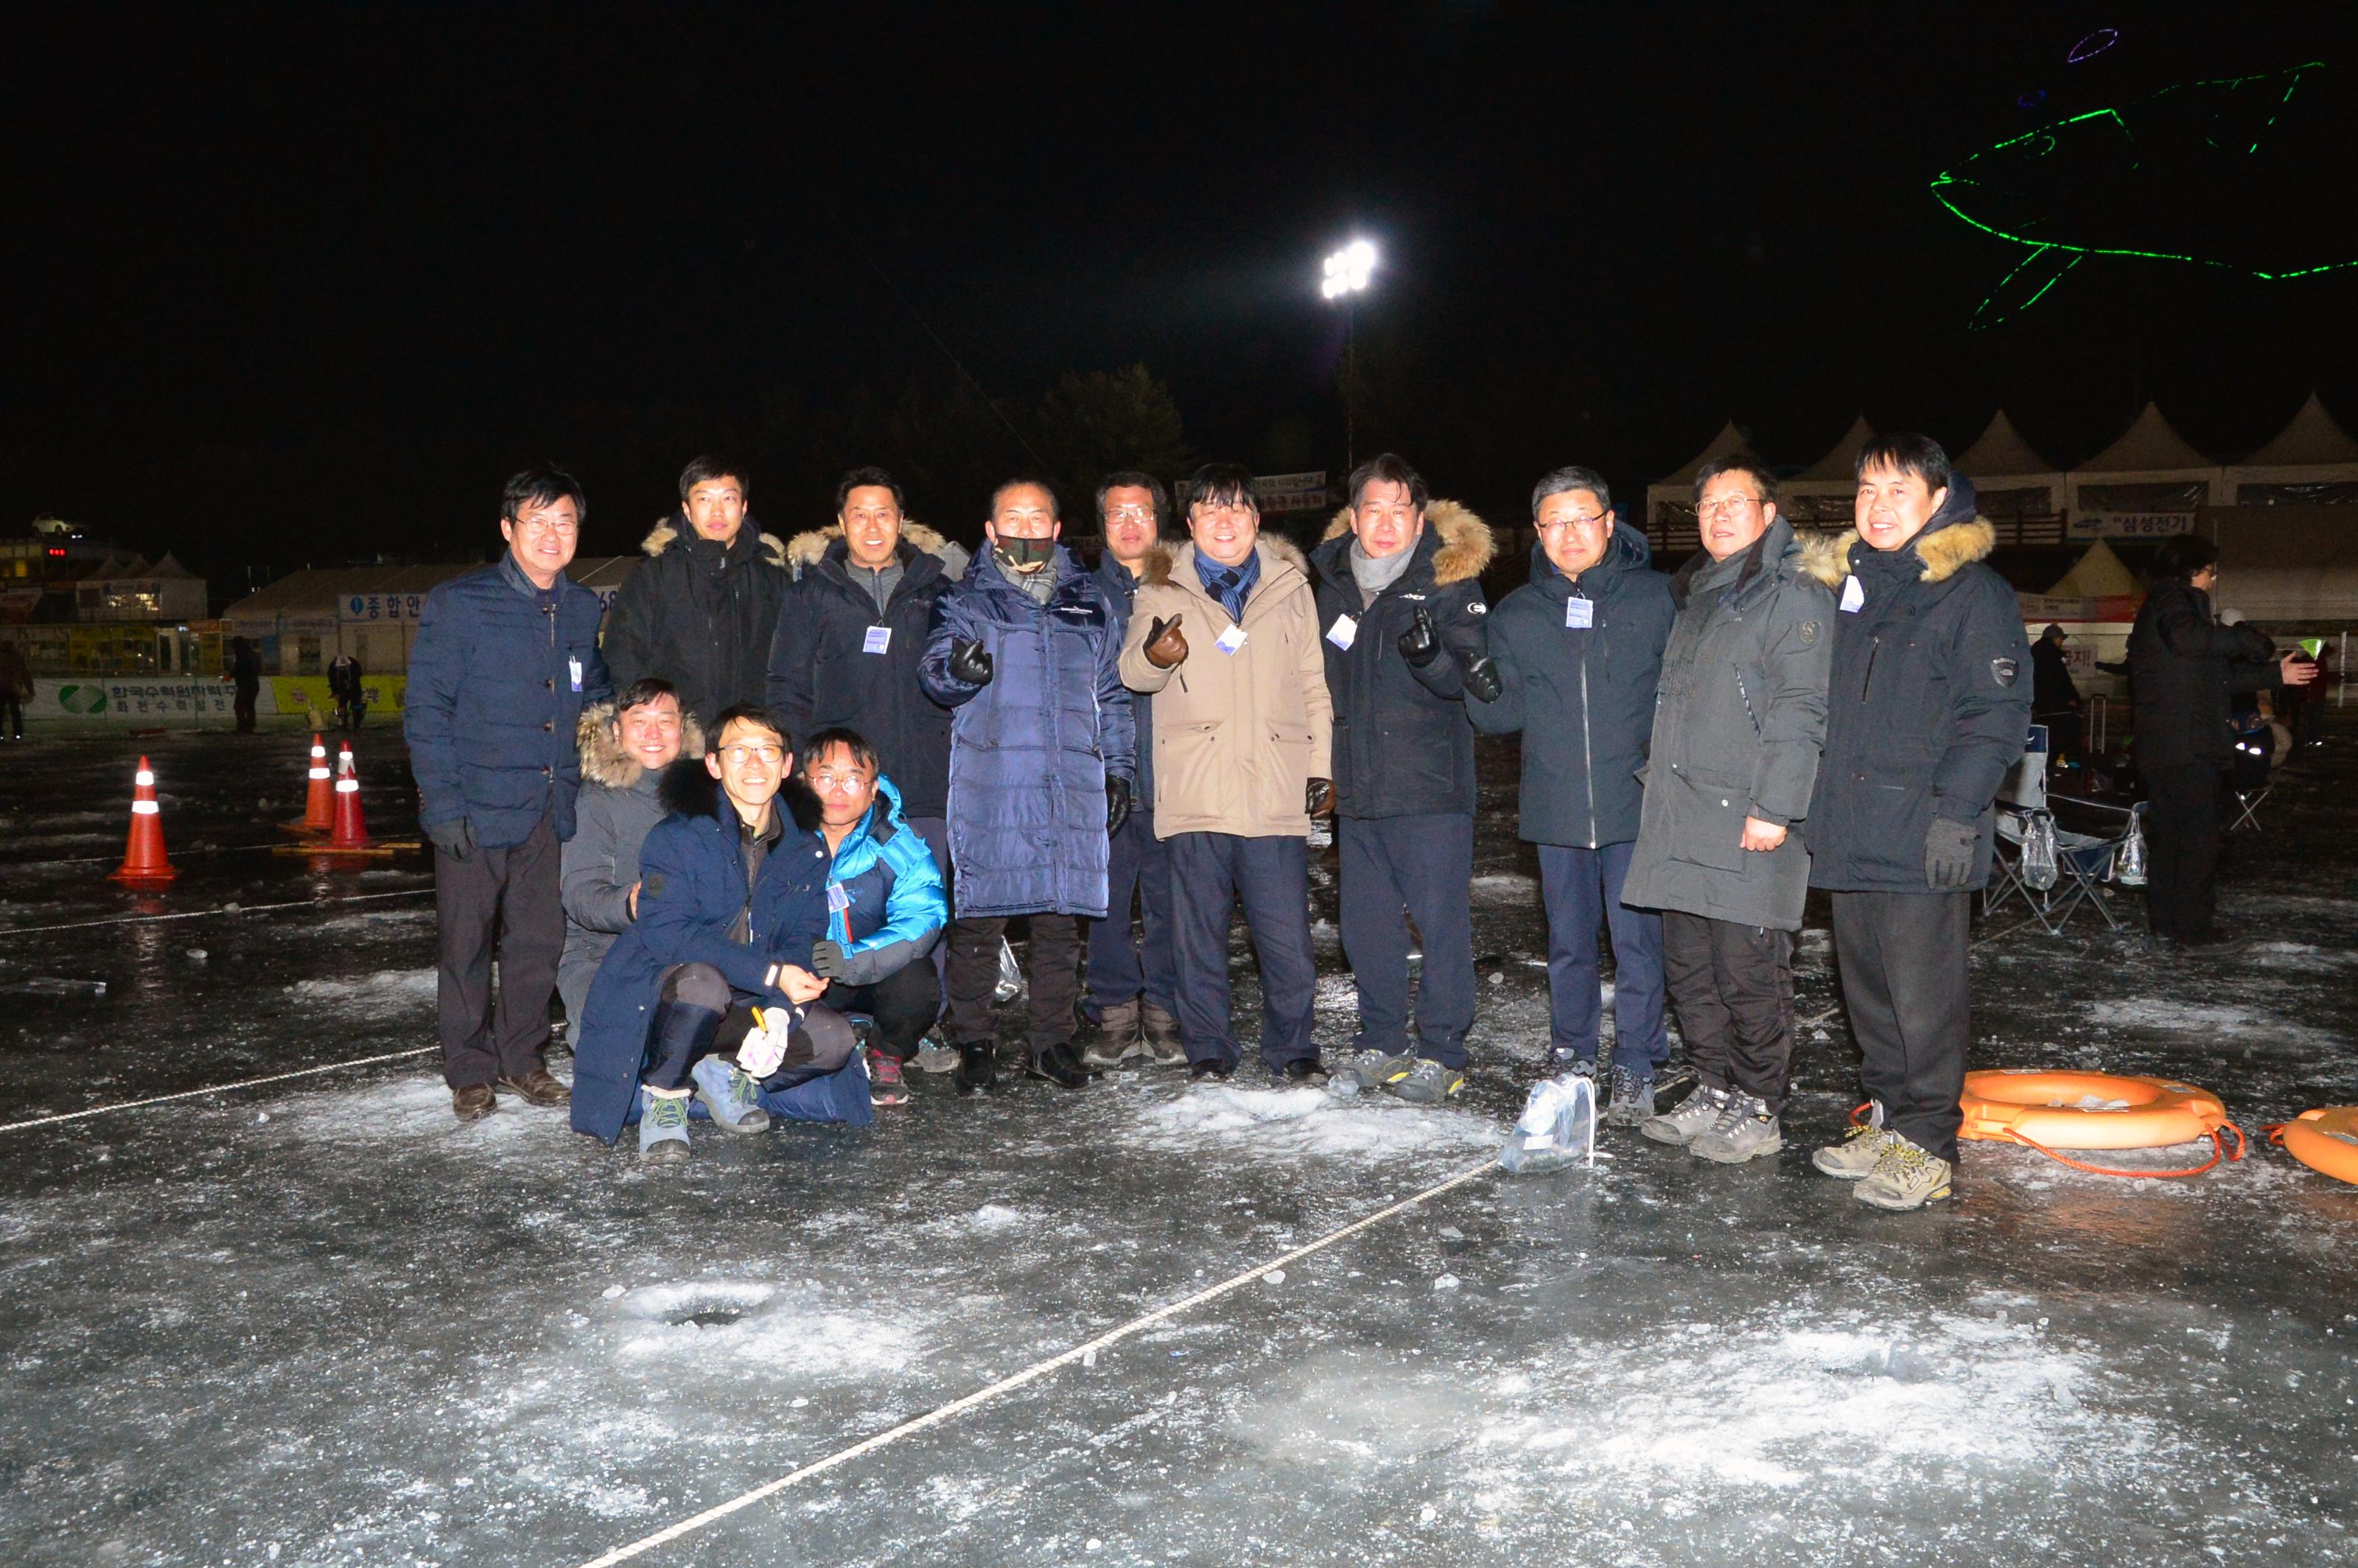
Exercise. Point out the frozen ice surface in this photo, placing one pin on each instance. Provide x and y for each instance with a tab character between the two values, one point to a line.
358	1333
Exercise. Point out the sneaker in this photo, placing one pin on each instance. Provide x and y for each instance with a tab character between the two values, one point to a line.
1905	1178
1305	1070
885	1084
1695	1116
1856	1157
935	1056
662	1128
1428	1082
733	1099
1563	1059
1745	1130
1162	1032
1118	1036
1368	1070
1633	1098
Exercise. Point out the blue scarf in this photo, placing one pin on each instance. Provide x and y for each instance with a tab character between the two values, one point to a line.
1230	585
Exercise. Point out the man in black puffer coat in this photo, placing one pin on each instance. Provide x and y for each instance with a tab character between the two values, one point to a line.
699	611
1928	706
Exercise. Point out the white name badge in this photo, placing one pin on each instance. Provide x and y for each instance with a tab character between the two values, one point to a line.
1343	633
573	667
879	638
1579	614
1853	596
1229	641
837	899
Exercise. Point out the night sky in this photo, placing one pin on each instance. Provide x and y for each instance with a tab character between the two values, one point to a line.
300	283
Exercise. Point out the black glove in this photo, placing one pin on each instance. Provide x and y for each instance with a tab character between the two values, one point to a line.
1949	853
828	959
1318	797
456	840
1419	645
1117	804
1482	679
969	662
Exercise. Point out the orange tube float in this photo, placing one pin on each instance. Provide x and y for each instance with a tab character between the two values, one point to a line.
2086	1111
2323	1139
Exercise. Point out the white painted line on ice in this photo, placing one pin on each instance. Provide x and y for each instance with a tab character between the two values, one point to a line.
216	1090
1032	1373
200	913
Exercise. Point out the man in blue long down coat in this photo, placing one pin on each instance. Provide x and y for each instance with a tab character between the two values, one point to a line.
1042	751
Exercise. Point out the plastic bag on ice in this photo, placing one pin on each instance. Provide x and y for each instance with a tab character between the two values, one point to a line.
2040	871
1011	974
2128	861
1558	1126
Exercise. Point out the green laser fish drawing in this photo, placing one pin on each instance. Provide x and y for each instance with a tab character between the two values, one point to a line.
2234	173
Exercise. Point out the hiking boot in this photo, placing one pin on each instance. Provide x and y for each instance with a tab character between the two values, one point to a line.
1563	1059
733	1099
662	1128
1118	1036
1212	1072
1745	1129
1306	1071
1057	1064
538	1087
1856	1157
473	1102
1633	1098
934	1057
977	1066
1161	1029
1905	1178
885	1084
1695	1116
1428	1082
1368	1070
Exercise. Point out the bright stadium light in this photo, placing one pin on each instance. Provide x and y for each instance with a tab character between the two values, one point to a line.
1348	270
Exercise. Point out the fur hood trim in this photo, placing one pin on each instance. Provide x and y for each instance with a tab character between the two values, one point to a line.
1467	542
689	789
803	550
1944	551
1156	571
603	761
668	529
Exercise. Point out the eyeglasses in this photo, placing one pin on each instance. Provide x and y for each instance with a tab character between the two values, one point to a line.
1562	523
536	525
828	784
1725	504
1129	514
744	752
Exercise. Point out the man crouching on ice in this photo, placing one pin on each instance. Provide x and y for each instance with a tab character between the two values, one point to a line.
732	893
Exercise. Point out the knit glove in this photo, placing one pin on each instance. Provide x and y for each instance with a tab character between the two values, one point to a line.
1949	853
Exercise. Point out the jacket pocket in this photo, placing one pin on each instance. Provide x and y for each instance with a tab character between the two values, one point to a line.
1709	825
1291	744
1189	765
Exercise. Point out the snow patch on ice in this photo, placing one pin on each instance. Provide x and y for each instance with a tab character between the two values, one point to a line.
749	1322
1505	888
1296	1123
404	987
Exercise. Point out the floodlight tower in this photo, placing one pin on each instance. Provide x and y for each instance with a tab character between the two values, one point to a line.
1347	272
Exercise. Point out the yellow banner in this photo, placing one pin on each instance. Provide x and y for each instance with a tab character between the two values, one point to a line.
293	694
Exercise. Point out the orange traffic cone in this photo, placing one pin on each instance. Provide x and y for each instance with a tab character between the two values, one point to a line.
319	800
144	864
351	832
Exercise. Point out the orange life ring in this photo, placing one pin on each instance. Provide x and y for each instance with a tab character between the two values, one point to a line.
2087	1110
2323	1139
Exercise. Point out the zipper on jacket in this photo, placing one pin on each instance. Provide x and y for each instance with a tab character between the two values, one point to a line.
1745	698
1868	681
1588	755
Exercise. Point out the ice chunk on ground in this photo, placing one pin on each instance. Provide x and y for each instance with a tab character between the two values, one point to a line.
1293	1123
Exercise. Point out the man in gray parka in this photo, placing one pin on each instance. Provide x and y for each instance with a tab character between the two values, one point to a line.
1738	721
626	744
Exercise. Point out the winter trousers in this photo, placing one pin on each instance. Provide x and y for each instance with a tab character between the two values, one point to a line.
1732	987
1901	957
1583	892
1056	978
2182	802
1396	868
244	706
504	897
1122	967
1211	873
904	1004
698	1014
12	716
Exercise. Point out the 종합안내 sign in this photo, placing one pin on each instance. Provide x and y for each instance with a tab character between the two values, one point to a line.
2128	525
1290	492
367	606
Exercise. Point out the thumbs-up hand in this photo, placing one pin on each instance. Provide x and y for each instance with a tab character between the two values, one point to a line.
1164	646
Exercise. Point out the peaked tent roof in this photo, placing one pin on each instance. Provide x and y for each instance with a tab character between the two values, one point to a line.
2148	446
1729	440
169	567
1842	463
2099	573
2001	453
2312	439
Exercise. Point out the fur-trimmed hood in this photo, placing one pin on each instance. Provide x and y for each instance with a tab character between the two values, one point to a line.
1156	570
689	789
1951	539
603	759
803	550
669	531
1467	542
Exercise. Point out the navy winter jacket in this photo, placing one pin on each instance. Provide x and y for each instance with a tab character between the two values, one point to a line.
822	675
1030	752
691	892
1583	698
1403	746
497	681
1927	705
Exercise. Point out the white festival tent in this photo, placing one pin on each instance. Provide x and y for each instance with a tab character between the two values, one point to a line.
1823	496
1670	501
2019	490
2312	461
2147	485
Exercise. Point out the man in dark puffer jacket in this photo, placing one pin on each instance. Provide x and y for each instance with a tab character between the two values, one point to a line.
1928	706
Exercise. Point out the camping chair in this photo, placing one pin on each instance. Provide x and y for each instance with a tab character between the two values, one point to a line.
2250	776
2051	869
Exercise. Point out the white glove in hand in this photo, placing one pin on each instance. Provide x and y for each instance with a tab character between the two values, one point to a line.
764	1049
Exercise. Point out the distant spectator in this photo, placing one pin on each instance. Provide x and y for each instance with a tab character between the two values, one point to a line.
245	672
345	685
15	690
